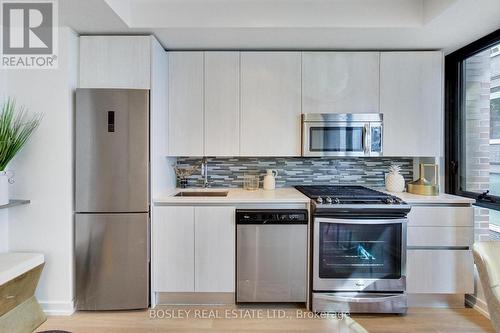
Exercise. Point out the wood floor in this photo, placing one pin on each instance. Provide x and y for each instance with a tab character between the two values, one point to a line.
221	319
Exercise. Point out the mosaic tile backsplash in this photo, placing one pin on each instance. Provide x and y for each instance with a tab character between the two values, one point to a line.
229	172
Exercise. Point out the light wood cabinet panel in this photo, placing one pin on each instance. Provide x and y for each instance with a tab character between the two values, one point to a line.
214	249
440	236
270	103
115	62
440	272
428	216
185	131
340	82
222	103
173	246
411	89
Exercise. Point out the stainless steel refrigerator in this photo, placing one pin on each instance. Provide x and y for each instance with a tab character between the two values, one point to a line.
112	199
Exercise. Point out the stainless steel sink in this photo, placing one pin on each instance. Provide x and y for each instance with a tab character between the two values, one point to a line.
202	194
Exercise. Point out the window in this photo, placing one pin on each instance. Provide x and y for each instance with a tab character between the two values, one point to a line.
473	124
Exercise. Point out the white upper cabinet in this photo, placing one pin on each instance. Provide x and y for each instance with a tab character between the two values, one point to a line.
411	88
185	91
222	103
340	82
270	103
115	62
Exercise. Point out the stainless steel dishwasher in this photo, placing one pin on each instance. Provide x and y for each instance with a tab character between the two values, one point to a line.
271	255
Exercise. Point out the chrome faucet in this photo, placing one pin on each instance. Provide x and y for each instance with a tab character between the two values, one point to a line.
204	172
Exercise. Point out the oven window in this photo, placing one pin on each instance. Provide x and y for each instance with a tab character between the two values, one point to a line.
360	251
336	139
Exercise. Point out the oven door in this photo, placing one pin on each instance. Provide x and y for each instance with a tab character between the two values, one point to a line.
359	255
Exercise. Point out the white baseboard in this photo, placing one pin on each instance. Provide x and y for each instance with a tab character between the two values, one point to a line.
477	304
57	308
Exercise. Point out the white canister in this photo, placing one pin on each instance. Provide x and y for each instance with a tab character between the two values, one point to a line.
270	179
5	180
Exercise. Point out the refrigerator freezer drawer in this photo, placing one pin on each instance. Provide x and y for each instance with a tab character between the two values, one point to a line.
112	261
112	150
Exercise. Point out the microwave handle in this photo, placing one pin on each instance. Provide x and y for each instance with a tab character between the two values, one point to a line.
366	139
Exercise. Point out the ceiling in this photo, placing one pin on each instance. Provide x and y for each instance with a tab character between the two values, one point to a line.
290	24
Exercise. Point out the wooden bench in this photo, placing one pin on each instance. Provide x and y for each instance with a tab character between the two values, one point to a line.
19	275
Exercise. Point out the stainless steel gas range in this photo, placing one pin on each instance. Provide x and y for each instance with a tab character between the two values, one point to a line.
359	250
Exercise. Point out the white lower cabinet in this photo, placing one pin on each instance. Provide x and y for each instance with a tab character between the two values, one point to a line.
193	249
173	249
440	272
439	259
214	239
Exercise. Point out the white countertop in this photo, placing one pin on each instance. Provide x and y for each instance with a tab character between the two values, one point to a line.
14	264
287	195
442	198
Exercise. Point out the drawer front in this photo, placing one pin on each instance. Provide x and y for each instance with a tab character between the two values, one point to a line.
428	216
440	272
440	236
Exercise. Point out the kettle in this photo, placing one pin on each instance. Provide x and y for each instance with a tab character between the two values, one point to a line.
270	179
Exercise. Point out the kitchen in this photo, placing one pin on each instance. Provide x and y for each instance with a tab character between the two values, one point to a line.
234	177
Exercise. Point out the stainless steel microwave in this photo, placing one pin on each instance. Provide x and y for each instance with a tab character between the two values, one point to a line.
335	134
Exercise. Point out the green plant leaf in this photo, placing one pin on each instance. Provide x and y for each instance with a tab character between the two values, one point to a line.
16	127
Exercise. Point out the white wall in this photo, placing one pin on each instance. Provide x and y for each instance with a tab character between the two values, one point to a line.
44	174
4	214
3	84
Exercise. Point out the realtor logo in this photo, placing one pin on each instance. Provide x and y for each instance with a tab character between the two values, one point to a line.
29	34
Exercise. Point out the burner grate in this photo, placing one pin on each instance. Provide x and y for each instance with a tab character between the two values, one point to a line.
349	192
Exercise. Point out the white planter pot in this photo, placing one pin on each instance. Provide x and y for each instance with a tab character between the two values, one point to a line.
5	180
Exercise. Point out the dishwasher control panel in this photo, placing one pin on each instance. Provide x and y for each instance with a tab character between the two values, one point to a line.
271	216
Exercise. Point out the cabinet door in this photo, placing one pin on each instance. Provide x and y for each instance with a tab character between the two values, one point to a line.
270	103
185	103
340	82
115	62
173	249
222	103
214	249
440	272
429	216
440	236
411	92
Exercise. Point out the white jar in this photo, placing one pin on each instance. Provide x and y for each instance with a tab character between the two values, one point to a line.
270	179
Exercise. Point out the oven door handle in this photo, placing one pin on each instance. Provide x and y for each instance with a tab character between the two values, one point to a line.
360	221
374	299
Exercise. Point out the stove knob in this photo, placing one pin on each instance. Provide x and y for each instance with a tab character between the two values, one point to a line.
336	201
328	200
319	200
389	201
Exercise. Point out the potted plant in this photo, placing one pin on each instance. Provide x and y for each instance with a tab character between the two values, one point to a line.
16	127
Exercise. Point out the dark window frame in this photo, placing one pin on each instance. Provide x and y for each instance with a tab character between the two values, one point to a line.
454	139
